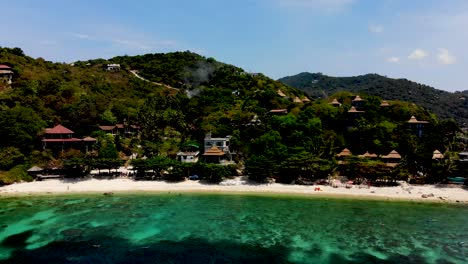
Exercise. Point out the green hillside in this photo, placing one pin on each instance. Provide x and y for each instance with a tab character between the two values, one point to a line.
175	99
445	104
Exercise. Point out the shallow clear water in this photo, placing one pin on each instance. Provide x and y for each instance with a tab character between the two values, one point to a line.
211	228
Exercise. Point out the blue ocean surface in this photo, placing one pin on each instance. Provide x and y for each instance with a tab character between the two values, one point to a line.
221	228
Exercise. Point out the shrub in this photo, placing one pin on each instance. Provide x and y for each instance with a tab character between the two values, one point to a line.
17	174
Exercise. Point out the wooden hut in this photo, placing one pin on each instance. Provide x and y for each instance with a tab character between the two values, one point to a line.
392	159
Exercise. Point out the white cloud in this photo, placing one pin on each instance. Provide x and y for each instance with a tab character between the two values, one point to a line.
131	44
328	5
418	54
376	29
81	36
393	59
445	57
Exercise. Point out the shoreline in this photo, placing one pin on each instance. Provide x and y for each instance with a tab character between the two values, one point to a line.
433	193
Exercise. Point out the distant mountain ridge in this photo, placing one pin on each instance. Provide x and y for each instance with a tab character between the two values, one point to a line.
445	104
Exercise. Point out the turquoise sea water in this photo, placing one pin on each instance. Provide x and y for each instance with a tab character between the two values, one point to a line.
213	228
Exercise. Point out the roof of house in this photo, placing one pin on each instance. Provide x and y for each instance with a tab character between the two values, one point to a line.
89	139
392	155
353	110
58	129
35	168
358	98
188	153
437	155
335	102
62	140
5	71
280	93
279	111
384	103
3	66
305	99
106	128
120	126
344	153
368	155
413	120
214	151
297	100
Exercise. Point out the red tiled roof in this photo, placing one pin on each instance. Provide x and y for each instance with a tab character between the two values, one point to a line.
3	66
58	129
89	139
120	126
62	140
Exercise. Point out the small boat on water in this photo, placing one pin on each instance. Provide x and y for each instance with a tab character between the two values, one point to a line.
457	180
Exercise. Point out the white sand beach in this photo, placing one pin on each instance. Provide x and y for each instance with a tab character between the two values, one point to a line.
239	185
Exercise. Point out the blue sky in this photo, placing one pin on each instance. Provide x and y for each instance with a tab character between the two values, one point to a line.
421	40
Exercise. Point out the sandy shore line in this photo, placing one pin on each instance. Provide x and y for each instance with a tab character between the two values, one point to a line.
403	192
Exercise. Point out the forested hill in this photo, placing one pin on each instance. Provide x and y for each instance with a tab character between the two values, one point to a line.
177	98
445	104
83	95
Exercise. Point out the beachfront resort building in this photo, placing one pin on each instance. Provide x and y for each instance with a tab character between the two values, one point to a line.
368	155
221	142
61	138
6	73
342	155
188	156
214	155
392	159
217	149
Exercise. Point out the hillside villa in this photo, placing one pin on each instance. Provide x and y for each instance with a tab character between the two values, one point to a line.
6	73
61	138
